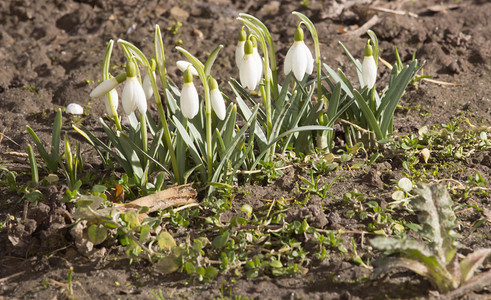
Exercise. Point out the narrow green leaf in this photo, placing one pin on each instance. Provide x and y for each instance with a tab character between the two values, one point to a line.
368	115
211	60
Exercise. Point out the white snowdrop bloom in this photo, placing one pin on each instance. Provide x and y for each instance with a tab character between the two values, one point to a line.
369	67
133	94
74	109
259	63
114	102
184	65
189	96
107	85
299	59
147	86
250	69
239	49
217	102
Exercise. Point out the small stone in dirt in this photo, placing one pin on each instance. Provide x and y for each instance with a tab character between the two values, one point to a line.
179	14
373	178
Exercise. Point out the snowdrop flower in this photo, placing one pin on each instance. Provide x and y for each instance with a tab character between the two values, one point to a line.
147	82
114	102
133	93
189	96
299	58
147	86
369	67
259	61
250	68
107	85
74	109
184	65
217	102
239	49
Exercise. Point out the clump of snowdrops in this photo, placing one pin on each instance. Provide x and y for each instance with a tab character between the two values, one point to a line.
196	136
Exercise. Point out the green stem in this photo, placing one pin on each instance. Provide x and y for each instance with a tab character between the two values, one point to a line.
160	58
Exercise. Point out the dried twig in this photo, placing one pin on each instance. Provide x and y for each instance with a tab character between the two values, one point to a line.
395	12
11	276
363	29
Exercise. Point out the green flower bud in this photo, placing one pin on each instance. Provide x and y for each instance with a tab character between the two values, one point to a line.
299	34
188	76
368	49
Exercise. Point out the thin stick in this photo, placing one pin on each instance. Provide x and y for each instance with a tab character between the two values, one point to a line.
363	29
356	126
395	12
11	276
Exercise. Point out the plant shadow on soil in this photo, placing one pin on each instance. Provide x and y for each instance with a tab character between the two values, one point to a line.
51	51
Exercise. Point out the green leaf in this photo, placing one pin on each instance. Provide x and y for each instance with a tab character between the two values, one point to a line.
165	241
368	115
168	264
39	145
211	60
55	141
97	233
220	241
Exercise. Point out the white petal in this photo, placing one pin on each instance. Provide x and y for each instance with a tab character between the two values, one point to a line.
189	100
259	64
218	104
74	109
183	65
239	52
147	86
310	60
248	72
369	71
133	96
114	101
288	61
299	60
104	87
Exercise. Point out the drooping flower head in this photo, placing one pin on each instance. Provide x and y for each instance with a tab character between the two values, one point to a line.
217	102
133	94
369	67
257	57
189	96
250	67
184	65
113	103
147	82
239	49
299	59
107	85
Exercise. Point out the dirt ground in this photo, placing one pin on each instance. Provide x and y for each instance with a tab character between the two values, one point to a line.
51	53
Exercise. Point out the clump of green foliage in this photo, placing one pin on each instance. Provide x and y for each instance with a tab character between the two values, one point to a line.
435	256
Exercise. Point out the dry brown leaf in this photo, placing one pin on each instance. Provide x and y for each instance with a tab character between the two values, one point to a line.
174	196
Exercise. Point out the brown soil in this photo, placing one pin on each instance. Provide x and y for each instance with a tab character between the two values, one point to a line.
51	52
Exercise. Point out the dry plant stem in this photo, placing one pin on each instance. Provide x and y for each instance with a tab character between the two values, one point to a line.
259	171
395	12
11	276
363	29
363	130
